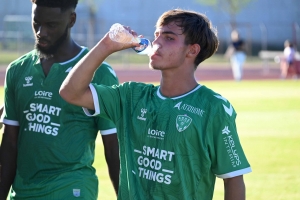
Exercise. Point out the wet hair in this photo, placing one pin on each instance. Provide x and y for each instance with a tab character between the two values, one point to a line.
197	29
62	4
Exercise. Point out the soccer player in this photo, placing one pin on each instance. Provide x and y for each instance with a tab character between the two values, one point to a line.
175	138
47	150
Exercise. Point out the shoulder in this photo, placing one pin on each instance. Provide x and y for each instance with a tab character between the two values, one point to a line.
106	68
209	94
105	75
217	103
137	85
136	88
24	60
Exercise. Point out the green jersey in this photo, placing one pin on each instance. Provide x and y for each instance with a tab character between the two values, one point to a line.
171	148
56	140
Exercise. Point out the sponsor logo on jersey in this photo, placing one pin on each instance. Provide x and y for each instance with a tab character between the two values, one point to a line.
28	81
183	122
226	130
156	134
150	164
189	108
228	110
43	95
143	112
178	105
76	192
230	147
39	119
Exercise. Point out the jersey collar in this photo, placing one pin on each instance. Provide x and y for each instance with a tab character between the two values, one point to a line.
38	61
178	97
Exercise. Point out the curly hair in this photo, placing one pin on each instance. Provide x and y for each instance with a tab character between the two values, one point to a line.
62	4
196	27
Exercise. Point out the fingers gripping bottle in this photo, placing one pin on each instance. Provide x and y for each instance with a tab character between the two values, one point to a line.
118	33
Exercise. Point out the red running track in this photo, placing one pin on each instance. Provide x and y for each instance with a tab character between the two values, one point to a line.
203	73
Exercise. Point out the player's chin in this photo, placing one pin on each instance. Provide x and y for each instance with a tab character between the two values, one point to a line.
42	49
152	64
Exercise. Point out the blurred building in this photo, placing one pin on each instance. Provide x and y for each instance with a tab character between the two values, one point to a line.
264	24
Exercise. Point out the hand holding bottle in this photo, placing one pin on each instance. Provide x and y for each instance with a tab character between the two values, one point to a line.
119	34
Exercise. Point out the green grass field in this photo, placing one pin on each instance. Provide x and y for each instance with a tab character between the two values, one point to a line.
269	127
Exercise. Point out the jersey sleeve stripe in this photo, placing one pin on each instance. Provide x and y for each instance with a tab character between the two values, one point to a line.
96	103
10	122
108	132
235	173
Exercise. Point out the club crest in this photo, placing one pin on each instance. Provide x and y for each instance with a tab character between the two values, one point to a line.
183	122
76	192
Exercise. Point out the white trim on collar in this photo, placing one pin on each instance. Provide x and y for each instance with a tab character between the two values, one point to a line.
178	97
82	50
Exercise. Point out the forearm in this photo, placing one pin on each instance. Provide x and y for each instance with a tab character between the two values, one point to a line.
234	188
8	159
114	173
113	163
111	149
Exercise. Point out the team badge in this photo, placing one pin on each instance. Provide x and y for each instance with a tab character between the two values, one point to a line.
183	122
76	192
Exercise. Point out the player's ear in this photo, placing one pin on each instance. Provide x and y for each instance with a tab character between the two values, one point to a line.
72	19
194	50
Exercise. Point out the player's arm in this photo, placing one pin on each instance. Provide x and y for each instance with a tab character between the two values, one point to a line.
8	159
234	188
1	112
111	151
75	88
1	109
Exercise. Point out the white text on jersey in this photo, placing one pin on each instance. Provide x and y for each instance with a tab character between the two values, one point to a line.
190	109
39	118
156	133
230	148
152	158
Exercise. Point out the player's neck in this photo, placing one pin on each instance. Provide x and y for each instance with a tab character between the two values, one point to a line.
67	51
176	86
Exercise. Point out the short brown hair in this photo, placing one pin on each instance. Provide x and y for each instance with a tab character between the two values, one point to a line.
196	27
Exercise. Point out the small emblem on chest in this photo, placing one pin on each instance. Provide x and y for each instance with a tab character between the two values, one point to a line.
28	79
143	112
76	192
183	122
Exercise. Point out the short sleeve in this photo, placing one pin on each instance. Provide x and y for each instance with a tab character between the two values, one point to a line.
105	75
227	155
10	113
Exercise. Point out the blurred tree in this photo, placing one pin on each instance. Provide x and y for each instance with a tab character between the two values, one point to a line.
232	7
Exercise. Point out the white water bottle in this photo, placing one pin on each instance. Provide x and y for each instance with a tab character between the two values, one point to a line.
118	33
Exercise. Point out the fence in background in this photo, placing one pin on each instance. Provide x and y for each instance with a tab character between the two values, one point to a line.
17	35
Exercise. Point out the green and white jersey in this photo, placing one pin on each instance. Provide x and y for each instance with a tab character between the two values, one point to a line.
56	140
171	148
